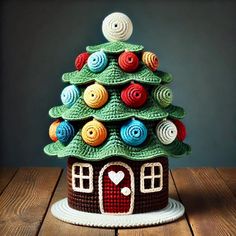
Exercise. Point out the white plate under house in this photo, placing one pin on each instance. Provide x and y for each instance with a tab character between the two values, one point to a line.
62	211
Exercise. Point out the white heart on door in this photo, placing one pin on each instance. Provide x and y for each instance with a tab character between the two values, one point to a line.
116	177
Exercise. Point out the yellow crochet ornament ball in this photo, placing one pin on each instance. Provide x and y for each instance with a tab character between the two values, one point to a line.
150	60
52	130
95	96
94	133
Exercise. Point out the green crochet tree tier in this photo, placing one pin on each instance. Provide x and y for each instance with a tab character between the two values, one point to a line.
115	111
117	126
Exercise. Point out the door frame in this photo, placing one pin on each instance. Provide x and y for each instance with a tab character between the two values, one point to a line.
100	187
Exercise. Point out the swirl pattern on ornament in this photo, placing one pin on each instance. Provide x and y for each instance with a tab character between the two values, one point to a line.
80	60
150	60
65	132
135	95
128	61
181	130
97	61
95	96
163	95
52	130
133	133
94	133
117	27
69	95
166	132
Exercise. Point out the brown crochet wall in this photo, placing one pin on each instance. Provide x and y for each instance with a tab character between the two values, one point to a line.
143	202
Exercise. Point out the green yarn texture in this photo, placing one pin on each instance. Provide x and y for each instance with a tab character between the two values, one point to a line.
116	110
114	113
114	146
112	75
166	78
115	47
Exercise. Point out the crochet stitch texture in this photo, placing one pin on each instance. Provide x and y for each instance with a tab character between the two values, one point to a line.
101	79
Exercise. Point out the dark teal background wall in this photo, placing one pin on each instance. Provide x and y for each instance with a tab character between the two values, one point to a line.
195	41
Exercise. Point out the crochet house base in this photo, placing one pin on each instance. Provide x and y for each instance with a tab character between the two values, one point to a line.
117	186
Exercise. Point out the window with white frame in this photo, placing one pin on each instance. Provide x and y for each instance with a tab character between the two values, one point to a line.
151	177
82	177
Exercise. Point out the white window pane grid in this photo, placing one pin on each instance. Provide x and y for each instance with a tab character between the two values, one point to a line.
152	177
82	177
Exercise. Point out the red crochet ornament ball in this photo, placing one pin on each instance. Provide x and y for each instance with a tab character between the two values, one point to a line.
181	130
80	60
128	61
134	95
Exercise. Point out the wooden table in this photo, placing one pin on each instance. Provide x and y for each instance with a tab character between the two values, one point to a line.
208	194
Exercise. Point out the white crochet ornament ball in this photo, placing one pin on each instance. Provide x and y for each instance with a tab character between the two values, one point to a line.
166	131
117	27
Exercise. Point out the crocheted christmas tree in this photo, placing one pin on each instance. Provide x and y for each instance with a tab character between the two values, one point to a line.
117	103
117	126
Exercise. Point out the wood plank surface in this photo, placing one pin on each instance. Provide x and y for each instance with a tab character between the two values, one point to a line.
229	176
179	227
24	201
210	205
53	226
6	175
208	195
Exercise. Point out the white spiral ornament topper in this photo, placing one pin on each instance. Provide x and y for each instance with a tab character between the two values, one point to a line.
166	131
117	27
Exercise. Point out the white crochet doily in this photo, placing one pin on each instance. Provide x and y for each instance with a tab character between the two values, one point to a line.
63	212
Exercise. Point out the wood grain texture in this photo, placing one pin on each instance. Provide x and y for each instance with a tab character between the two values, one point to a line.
179	227
53	226
208	195
210	205
229	176
24	201
6	175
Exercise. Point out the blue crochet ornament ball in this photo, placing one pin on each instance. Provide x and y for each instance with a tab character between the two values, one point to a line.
69	95
97	61
65	132
133	132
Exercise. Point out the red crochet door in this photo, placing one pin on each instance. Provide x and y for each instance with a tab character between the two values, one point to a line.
118	189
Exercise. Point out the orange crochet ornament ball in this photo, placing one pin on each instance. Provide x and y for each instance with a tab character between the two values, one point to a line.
95	96
150	60
94	133
52	130
128	61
